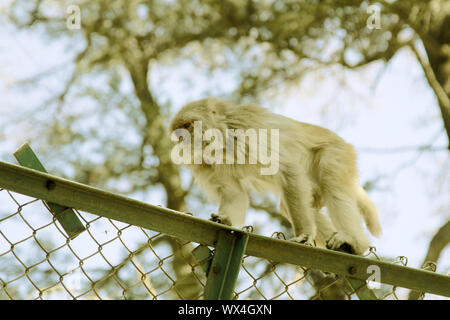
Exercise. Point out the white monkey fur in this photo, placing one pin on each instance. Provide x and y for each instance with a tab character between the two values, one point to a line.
317	168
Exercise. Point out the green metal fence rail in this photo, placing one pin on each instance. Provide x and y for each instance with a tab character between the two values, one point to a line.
232	250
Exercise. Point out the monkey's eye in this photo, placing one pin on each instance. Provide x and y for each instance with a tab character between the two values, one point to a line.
187	125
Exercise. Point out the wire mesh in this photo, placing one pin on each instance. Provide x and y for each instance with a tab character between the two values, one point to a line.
114	260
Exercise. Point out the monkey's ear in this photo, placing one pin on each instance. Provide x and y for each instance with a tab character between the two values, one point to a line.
216	106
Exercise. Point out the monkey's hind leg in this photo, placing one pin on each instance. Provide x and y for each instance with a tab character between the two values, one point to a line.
337	175
344	213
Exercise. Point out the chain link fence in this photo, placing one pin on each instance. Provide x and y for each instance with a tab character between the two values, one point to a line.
115	260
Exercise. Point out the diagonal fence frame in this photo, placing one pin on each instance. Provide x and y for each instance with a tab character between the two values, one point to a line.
71	194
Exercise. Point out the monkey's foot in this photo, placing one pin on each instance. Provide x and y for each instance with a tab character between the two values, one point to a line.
220	219
340	241
305	239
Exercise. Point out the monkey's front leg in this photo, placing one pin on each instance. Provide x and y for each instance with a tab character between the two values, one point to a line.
233	205
297	195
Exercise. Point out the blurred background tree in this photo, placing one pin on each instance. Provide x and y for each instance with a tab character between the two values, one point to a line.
116	138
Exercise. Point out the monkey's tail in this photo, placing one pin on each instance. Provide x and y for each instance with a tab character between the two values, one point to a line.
369	212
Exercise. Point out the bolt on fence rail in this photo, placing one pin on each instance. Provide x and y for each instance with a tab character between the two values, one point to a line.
134	250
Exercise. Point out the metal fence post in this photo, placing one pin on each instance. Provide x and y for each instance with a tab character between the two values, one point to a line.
66	216
225	265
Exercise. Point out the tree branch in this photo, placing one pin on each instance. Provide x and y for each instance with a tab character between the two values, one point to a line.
440	240
441	95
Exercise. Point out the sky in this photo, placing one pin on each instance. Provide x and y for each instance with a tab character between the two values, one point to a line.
379	108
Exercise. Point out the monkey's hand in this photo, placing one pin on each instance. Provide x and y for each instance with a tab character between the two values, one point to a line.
340	241
220	219
305	239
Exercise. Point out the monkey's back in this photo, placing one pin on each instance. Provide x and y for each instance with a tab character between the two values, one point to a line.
253	116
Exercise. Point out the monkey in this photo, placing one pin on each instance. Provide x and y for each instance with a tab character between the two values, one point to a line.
315	169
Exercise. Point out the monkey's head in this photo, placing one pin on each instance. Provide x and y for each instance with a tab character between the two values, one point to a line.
210	111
